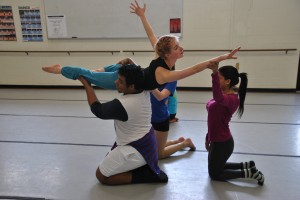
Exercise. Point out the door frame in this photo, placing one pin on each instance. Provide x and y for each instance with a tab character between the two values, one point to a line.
298	76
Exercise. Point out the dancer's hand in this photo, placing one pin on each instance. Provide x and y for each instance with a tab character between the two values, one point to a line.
214	66
207	145
232	53
135	8
227	56
126	61
84	81
140	11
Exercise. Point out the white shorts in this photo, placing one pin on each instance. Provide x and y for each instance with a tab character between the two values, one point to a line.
121	159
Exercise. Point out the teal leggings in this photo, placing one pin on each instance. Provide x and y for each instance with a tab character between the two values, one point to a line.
105	80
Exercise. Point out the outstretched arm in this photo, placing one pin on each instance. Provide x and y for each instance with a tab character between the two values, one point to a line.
140	11
126	61
164	76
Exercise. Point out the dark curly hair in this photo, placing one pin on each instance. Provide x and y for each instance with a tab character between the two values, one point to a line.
133	75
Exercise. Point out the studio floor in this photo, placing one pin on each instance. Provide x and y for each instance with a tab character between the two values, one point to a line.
51	145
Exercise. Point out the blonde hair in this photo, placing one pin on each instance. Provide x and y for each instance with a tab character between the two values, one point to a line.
164	45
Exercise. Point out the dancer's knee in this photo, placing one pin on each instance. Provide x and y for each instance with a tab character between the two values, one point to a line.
101	178
214	173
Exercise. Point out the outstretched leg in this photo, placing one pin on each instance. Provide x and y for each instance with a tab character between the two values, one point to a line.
105	80
54	69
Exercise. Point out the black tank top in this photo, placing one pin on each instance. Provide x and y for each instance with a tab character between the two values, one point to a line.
149	79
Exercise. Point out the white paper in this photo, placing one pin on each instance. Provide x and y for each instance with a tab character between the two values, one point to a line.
57	26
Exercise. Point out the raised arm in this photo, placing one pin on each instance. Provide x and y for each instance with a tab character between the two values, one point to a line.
90	93
140	11
109	110
217	91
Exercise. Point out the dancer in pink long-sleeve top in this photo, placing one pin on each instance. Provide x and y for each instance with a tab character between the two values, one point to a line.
219	141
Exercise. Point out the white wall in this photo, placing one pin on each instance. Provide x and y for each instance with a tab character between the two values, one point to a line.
207	24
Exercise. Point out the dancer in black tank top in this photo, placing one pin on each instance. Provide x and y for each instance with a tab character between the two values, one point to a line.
167	52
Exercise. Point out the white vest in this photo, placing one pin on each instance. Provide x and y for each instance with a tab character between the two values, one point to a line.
138	108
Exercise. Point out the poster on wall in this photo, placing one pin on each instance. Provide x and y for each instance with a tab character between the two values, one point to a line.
7	26
175	26
31	24
56	26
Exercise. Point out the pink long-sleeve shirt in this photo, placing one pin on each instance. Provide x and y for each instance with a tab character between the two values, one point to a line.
220	110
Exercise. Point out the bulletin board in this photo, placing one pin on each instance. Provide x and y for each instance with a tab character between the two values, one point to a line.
112	18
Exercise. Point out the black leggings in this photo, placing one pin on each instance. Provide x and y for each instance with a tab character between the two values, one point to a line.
218	167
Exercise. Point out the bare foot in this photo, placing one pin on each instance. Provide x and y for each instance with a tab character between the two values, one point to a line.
173	120
188	143
54	69
181	139
172	142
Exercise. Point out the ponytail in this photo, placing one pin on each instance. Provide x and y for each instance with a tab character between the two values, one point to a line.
242	92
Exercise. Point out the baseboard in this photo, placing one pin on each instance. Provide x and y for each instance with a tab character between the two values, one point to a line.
281	90
41	87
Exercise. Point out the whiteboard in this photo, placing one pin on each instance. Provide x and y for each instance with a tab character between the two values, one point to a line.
112	18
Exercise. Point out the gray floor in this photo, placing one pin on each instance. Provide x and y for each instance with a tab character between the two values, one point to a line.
50	146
